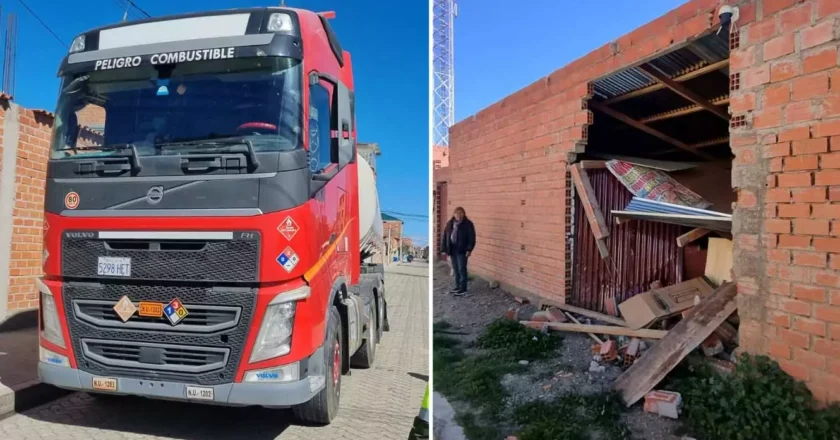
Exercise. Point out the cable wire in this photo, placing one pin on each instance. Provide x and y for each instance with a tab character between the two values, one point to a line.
44	24
131	2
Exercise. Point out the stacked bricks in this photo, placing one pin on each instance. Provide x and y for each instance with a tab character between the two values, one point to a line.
786	223
508	163
28	214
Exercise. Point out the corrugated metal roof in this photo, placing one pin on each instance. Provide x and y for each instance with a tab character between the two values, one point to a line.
702	52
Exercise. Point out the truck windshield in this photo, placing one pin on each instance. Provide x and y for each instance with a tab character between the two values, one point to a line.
149	107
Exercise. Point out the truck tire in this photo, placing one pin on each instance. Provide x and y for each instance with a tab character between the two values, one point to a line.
364	357
323	408
380	319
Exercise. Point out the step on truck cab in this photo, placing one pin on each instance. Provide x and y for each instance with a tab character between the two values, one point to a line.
207	216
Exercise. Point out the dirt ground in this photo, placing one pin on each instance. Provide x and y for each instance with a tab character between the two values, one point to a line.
565	373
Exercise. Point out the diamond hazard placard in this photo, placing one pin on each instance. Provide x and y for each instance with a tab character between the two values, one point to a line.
288	259
288	228
125	308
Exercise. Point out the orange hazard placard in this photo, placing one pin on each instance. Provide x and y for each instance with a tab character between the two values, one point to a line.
151	309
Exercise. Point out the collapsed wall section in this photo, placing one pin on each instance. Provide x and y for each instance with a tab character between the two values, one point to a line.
508	163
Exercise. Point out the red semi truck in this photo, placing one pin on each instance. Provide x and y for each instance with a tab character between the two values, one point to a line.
207	216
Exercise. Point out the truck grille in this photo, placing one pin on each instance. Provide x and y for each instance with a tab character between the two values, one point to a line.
155	356
201	318
97	338
164	259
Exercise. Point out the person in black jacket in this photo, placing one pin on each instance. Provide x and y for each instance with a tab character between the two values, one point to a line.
458	242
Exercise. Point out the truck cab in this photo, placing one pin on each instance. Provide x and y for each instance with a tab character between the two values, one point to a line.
203	237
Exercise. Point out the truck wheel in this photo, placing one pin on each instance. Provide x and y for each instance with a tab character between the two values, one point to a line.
323	408
380	320
367	352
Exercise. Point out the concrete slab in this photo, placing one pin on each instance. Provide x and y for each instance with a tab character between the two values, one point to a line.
20	388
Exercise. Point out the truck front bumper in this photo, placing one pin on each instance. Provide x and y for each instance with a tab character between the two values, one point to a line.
267	394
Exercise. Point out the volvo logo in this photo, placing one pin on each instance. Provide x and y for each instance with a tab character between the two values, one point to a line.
154	195
80	234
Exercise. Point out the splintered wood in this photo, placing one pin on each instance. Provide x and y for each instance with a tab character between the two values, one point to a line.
590	205
689	333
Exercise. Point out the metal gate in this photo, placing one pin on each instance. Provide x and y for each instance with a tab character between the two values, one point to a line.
640	252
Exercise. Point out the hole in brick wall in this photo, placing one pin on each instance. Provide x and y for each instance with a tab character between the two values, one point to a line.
734	81
590	89
523	202
523	179
738	121
521	270
584	105
522	247
590	118
522	224
585	132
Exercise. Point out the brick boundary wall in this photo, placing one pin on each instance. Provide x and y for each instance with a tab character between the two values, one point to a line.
508	165
20	260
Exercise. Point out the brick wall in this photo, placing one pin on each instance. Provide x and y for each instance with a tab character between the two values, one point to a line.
507	166
440	157
508	162
787	174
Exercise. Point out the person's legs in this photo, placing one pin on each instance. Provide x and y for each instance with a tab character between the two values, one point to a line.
462	267
454	259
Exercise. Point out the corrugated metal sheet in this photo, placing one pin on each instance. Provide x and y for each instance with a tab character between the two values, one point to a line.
640	252
644	205
704	51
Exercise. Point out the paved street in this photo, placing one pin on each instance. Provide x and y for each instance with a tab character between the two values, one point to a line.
379	403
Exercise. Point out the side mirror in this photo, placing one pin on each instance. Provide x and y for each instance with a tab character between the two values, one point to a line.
71	134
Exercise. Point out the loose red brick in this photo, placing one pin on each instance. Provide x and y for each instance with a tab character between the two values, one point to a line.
825	211
827	178
799	112
809	293
794	338
820	60
802	163
784	70
816	35
794	242
795	210
778	195
810	146
811	227
810	259
779	47
796	134
557	315
812	195
827	244
795	306
827	313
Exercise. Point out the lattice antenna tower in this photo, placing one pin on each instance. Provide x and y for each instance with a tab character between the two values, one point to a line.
443	68
10	55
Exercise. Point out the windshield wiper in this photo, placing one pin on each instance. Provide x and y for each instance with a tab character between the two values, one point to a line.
251	156
133	157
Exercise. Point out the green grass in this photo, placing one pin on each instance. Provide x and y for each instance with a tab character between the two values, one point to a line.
572	417
511	339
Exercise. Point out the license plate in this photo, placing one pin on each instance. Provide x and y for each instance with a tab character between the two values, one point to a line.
114	267
105	383
150	309
199	393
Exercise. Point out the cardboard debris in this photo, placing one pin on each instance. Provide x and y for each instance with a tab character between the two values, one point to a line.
719	261
657	362
646	308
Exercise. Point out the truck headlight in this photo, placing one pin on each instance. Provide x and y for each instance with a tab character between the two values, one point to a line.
78	44
51	327
275	335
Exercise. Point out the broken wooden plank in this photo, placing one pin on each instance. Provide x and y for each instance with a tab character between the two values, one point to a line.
689	333
593	164
590	202
591	335
683	91
591	314
601	244
600	329
692	235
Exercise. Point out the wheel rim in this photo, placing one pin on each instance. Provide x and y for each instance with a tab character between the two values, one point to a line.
336	363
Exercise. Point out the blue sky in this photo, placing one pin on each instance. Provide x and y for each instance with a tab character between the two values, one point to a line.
501	47
388	42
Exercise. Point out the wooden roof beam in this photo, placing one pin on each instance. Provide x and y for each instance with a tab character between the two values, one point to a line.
683	91
658	86
651	131
721	100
